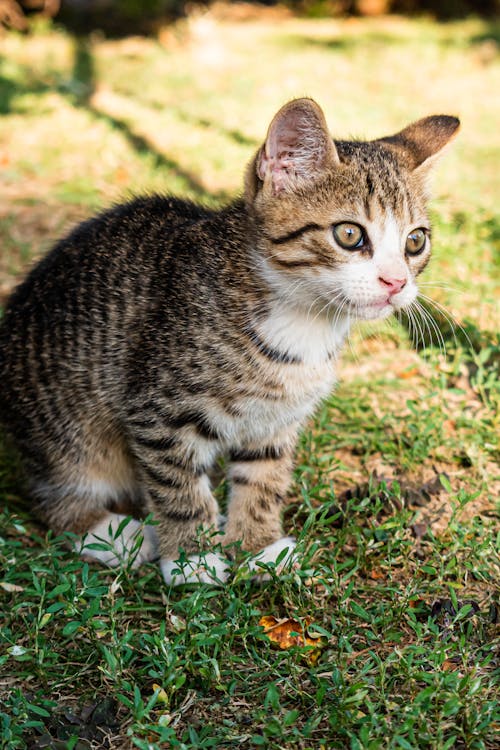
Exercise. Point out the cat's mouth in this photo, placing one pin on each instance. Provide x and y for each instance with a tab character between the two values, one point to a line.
371	310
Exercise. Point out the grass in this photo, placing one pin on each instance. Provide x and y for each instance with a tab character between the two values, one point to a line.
396	489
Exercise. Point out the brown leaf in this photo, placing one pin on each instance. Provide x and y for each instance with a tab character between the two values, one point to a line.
375	574
11	587
287	633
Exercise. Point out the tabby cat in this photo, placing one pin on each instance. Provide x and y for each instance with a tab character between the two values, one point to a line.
161	335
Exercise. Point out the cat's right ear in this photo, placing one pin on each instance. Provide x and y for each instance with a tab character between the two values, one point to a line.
419	144
298	147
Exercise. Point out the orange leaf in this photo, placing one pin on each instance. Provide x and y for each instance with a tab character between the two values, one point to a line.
121	175
287	633
407	374
375	574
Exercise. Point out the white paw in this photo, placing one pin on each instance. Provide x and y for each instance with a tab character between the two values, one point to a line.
280	554
117	546
207	568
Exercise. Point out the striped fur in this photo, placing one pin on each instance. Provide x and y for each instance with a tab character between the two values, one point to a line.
161	335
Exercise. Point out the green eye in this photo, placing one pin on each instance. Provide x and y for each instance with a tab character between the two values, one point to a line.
415	242
349	236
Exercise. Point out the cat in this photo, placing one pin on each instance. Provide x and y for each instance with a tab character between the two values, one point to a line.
161	335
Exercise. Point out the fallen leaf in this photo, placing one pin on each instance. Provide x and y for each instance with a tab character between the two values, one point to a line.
162	695
177	623
375	574
11	587
419	530
407	374
105	713
121	175
287	633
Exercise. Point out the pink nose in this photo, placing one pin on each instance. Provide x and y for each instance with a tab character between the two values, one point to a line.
393	286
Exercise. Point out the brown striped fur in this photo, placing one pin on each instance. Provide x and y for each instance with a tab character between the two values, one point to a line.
160	335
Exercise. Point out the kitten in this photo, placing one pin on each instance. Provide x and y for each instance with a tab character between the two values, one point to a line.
160	335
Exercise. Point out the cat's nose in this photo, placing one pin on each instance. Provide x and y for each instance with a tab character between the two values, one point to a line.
391	285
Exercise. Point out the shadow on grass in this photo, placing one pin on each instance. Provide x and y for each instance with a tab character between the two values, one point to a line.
204	122
347	43
79	91
367	38
444	330
490	33
10	89
11	476
84	76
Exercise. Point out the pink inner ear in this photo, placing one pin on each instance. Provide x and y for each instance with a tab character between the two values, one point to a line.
298	145
287	139
286	154
285	142
279	168
277	159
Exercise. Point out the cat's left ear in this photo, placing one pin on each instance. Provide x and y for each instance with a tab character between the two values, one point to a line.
419	144
298	147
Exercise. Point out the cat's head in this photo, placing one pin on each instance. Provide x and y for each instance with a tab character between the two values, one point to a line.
343	225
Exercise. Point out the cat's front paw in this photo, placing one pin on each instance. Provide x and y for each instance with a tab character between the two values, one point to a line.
118	540
208	568
279	554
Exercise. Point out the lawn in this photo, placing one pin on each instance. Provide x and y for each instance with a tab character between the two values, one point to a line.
395	497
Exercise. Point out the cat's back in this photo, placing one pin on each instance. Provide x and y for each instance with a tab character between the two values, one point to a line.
128	239
71	316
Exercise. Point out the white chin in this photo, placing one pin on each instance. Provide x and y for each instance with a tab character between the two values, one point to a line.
374	312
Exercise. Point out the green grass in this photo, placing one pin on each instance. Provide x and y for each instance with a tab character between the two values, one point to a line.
395	498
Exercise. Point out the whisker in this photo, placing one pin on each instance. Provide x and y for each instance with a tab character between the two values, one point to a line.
429	321
338	296
419	331
440	285
453	323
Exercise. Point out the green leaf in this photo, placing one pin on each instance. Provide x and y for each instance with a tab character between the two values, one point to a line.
38	710
404	743
71	628
445	483
358	610
291	717
61	589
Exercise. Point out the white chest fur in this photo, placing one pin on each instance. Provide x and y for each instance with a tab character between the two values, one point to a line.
313	345
311	339
286	393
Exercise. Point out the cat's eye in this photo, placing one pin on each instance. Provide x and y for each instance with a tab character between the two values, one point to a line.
415	242
349	236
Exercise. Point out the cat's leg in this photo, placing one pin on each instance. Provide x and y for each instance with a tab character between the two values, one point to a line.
86	484
173	467
260	476
83	508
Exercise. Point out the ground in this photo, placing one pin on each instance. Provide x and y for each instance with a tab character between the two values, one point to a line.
395	497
